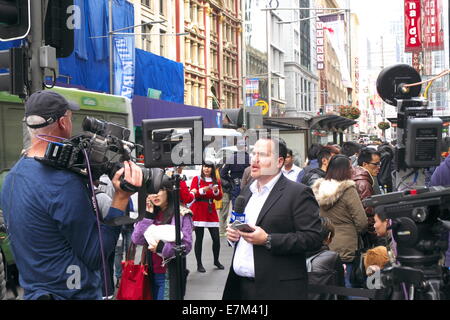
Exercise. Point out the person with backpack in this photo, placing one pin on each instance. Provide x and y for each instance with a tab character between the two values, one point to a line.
339	201
323	157
313	163
207	187
325	266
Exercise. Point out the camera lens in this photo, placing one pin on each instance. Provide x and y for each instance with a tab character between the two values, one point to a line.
93	125
420	214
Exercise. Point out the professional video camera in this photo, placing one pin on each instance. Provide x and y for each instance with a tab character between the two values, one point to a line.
418	216
103	147
419	135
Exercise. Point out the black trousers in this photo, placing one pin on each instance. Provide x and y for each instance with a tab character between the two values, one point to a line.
199	232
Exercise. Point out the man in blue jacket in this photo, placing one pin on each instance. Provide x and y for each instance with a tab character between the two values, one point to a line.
441	177
50	219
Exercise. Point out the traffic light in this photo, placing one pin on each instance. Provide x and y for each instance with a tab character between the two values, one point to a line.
14	19
59	32
14	81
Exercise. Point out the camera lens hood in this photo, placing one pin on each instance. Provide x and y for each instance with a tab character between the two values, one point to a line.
391	80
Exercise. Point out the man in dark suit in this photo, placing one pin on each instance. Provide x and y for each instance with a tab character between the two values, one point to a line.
269	263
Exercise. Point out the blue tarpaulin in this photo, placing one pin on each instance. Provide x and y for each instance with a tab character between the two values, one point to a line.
156	72
88	66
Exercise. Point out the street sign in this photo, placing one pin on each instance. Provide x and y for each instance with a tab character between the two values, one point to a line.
264	105
14	19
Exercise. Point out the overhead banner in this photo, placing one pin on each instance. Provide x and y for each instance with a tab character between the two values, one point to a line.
413	25
320	44
124	66
334	26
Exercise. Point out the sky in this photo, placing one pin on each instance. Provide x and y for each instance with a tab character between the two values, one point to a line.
372	14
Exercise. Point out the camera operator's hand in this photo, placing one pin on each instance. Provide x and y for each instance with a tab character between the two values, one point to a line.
133	175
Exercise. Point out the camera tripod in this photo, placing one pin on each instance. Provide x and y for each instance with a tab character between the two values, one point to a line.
418	276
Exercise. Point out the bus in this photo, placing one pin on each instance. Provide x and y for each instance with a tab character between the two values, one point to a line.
99	105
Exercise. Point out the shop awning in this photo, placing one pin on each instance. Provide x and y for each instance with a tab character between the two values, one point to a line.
293	123
330	123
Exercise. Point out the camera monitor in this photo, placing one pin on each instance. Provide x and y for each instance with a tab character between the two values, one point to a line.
173	141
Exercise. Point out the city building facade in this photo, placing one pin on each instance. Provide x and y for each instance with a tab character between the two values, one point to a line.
204	35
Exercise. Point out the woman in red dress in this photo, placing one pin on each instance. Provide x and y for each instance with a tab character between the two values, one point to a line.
206	188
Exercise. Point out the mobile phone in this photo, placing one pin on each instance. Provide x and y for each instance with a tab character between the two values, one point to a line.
244	227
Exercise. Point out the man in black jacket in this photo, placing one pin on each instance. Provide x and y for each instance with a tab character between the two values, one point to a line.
232	173
269	263
386	168
324	156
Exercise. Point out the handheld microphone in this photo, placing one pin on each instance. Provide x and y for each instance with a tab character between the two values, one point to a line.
238	210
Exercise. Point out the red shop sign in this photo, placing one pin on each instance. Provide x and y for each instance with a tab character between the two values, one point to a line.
413	25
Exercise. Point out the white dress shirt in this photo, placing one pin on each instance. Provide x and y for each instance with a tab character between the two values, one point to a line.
243	262
293	173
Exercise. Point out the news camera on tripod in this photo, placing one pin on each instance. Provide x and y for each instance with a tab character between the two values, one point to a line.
419	217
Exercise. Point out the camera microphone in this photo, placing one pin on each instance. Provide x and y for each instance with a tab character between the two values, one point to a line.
238	210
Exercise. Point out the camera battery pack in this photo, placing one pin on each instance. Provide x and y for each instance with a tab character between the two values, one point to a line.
423	145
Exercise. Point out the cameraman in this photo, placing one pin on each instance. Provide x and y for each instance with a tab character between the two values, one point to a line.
50	219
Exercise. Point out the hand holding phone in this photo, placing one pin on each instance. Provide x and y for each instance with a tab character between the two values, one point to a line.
243	227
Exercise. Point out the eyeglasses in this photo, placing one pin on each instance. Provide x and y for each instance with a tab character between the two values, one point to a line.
378	164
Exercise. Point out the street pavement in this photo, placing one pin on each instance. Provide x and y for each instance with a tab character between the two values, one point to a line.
200	286
208	285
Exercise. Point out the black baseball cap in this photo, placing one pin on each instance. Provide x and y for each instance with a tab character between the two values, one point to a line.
49	105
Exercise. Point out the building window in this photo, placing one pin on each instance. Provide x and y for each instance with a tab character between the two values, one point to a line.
162	8
162	43
147	3
305	32
296	56
146	37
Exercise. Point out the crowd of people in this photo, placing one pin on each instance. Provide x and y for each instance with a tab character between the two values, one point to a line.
309	221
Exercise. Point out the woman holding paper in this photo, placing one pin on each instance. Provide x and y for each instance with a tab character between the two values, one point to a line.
158	231
206	188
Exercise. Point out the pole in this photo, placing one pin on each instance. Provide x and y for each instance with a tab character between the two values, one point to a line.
269	62
111	49
179	248
37	75
244	65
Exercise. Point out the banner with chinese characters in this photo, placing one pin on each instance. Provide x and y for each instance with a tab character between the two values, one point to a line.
320	46
413	25
433	29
